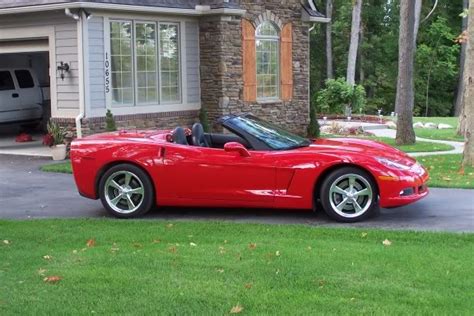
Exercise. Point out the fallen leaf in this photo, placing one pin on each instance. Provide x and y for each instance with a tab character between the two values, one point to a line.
220	270
236	309
386	242
252	246
156	241
90	243
172	249
322	283
363	235
6	242
446	178
52	279
137	245
114	248
74	251
192	244
42	271
248	286
461	171
277	253
47	257
169	225
221	250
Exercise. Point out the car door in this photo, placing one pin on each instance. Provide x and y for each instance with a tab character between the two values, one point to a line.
30	94
213	174
9	97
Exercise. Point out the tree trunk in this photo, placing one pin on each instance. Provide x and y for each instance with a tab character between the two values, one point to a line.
354	45
468	98
405	86
329	61
462	61
361	56
418	4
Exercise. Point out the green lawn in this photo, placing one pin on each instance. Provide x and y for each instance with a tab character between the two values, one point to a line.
418	147
440	134
445	172
61	167
156	267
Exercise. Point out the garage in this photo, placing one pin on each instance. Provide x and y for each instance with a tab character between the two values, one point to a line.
25	98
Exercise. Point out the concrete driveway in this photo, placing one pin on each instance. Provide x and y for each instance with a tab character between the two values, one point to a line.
27	193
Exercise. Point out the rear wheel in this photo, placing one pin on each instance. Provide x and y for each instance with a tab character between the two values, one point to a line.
126	191
349	195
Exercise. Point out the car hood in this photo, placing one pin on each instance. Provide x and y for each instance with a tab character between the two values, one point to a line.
359	148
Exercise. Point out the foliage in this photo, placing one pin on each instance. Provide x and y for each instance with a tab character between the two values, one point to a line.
377	68
55	135
338	94
211	267
313	127
204	119
110	125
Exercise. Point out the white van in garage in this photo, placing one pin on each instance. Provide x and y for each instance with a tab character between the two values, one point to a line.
21	98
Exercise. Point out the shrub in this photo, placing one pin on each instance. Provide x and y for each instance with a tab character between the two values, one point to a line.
338	96
110	125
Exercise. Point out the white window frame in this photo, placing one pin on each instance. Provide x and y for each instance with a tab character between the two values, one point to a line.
276	39
181	72
157	47
132	38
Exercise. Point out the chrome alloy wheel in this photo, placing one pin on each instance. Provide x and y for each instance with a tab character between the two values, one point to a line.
350	195
124	192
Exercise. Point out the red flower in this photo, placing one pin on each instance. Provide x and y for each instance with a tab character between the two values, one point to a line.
48	140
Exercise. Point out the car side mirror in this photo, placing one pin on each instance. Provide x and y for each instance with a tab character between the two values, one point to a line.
236	147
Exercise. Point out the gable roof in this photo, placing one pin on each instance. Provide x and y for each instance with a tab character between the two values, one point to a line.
181	4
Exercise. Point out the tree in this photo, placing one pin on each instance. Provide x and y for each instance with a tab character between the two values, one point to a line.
329	62
354	43
462	59
468	97
405	85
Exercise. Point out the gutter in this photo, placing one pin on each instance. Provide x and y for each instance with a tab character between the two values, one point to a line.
80	18
198	11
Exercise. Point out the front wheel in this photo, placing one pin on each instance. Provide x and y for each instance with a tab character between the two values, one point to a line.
126	191
349	195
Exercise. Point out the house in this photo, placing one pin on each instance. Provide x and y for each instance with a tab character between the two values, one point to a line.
156	63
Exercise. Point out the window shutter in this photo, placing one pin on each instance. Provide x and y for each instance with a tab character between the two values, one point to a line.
249	62
286	62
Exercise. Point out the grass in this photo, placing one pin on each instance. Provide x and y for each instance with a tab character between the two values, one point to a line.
420	146
445	172
439	134
180	268
62	167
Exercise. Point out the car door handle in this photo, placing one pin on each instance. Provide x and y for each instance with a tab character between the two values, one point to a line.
15	95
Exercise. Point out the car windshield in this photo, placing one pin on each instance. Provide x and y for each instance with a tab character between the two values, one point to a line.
273	136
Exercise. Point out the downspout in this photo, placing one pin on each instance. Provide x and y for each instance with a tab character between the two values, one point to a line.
80	34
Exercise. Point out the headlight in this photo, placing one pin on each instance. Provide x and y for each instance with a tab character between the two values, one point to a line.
392	164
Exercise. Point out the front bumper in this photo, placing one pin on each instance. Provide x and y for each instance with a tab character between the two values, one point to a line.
403	189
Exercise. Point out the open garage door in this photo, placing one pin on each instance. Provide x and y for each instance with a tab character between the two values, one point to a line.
24	46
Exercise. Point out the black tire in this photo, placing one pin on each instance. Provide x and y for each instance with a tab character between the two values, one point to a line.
357	203
129	193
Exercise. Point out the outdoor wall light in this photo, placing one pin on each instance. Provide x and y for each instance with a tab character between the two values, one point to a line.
63	68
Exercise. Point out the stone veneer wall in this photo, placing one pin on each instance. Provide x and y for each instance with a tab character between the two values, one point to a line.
164	120
221	65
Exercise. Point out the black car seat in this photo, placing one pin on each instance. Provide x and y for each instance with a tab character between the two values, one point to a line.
199	138
179	136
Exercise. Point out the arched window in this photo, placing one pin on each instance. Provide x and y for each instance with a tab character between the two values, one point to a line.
267	39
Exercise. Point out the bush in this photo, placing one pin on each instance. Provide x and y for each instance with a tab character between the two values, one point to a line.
339	95
313	127
110	125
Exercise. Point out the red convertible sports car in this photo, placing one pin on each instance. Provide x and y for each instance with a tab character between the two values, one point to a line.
254	164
